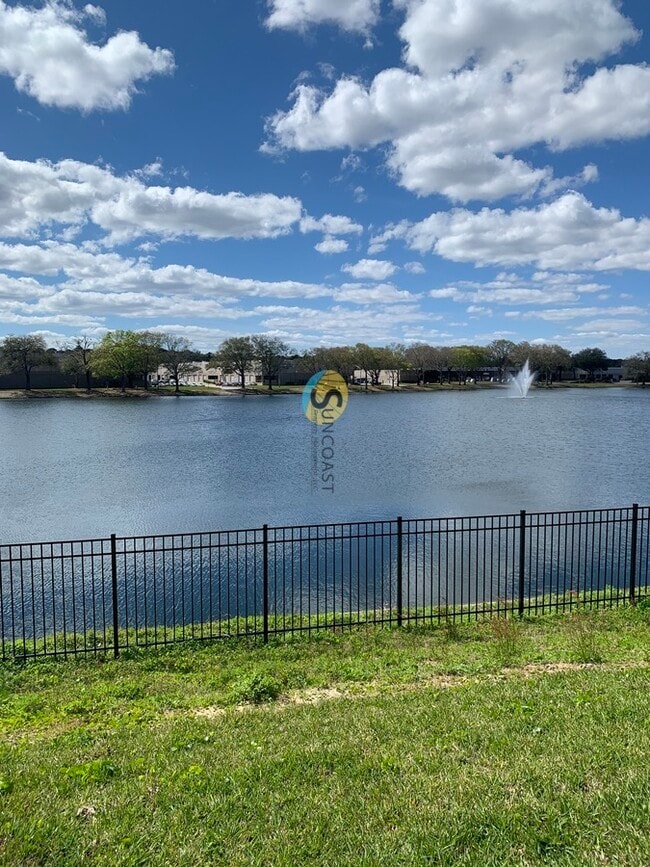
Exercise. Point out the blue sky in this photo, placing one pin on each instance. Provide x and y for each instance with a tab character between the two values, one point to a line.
327	171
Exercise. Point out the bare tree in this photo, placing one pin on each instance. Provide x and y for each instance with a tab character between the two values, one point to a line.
637	367
394	360
339	358
500	354
342	361
420	359
271	355
441	361
175	358
313	360
78	358
522	353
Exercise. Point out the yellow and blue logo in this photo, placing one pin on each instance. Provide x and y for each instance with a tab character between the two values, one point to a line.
325	397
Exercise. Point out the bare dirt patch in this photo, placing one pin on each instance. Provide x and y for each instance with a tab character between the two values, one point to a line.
317	695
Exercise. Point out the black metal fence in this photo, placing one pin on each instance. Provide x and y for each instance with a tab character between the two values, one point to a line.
100	596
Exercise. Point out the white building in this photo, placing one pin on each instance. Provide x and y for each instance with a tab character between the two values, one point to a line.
386	377
204	375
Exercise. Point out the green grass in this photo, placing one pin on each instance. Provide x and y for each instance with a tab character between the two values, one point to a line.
100	643
497	742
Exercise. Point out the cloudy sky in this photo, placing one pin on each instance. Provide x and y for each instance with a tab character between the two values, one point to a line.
327	171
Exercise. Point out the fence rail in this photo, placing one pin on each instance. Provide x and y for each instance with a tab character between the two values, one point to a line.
99	596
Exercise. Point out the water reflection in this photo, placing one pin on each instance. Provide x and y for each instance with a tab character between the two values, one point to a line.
80	470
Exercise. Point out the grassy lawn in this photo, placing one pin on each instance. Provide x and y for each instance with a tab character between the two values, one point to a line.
487	743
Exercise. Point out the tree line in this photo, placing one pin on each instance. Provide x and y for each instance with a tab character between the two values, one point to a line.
120	357
124	357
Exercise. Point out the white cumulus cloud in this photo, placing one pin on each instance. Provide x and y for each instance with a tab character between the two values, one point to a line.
568	233
138	210
480	82
49	56
370	269
38	194
380	293
331	224
511	289
331	245
353	15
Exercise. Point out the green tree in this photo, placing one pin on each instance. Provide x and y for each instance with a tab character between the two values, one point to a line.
468	359
118	356
591	360
550	359
367	359
236	355
176	358
150	354
379	361
271	355
561	360
21	353
637	368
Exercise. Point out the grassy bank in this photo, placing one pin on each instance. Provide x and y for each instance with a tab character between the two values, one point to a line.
210	391
70	393
485	743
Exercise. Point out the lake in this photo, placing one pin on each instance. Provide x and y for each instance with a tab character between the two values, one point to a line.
80	469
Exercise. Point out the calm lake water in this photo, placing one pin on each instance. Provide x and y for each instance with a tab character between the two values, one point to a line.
75	469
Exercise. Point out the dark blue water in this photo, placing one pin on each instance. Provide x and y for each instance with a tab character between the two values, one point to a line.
84	469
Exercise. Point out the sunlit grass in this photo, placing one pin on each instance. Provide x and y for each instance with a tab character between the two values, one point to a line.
497	742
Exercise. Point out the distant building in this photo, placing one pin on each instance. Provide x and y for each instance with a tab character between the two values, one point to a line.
204	374
208	375
390	378
611	374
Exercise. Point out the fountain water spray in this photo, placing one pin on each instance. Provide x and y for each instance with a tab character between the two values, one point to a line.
522	382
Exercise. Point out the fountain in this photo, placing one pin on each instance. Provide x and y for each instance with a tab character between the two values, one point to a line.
522	382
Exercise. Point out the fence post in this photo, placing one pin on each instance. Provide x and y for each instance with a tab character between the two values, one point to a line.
265	582
116	640
522	559
633	554
400	537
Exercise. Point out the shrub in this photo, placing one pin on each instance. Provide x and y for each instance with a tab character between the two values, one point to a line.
256	688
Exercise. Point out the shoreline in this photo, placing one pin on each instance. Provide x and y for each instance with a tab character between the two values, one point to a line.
199	391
